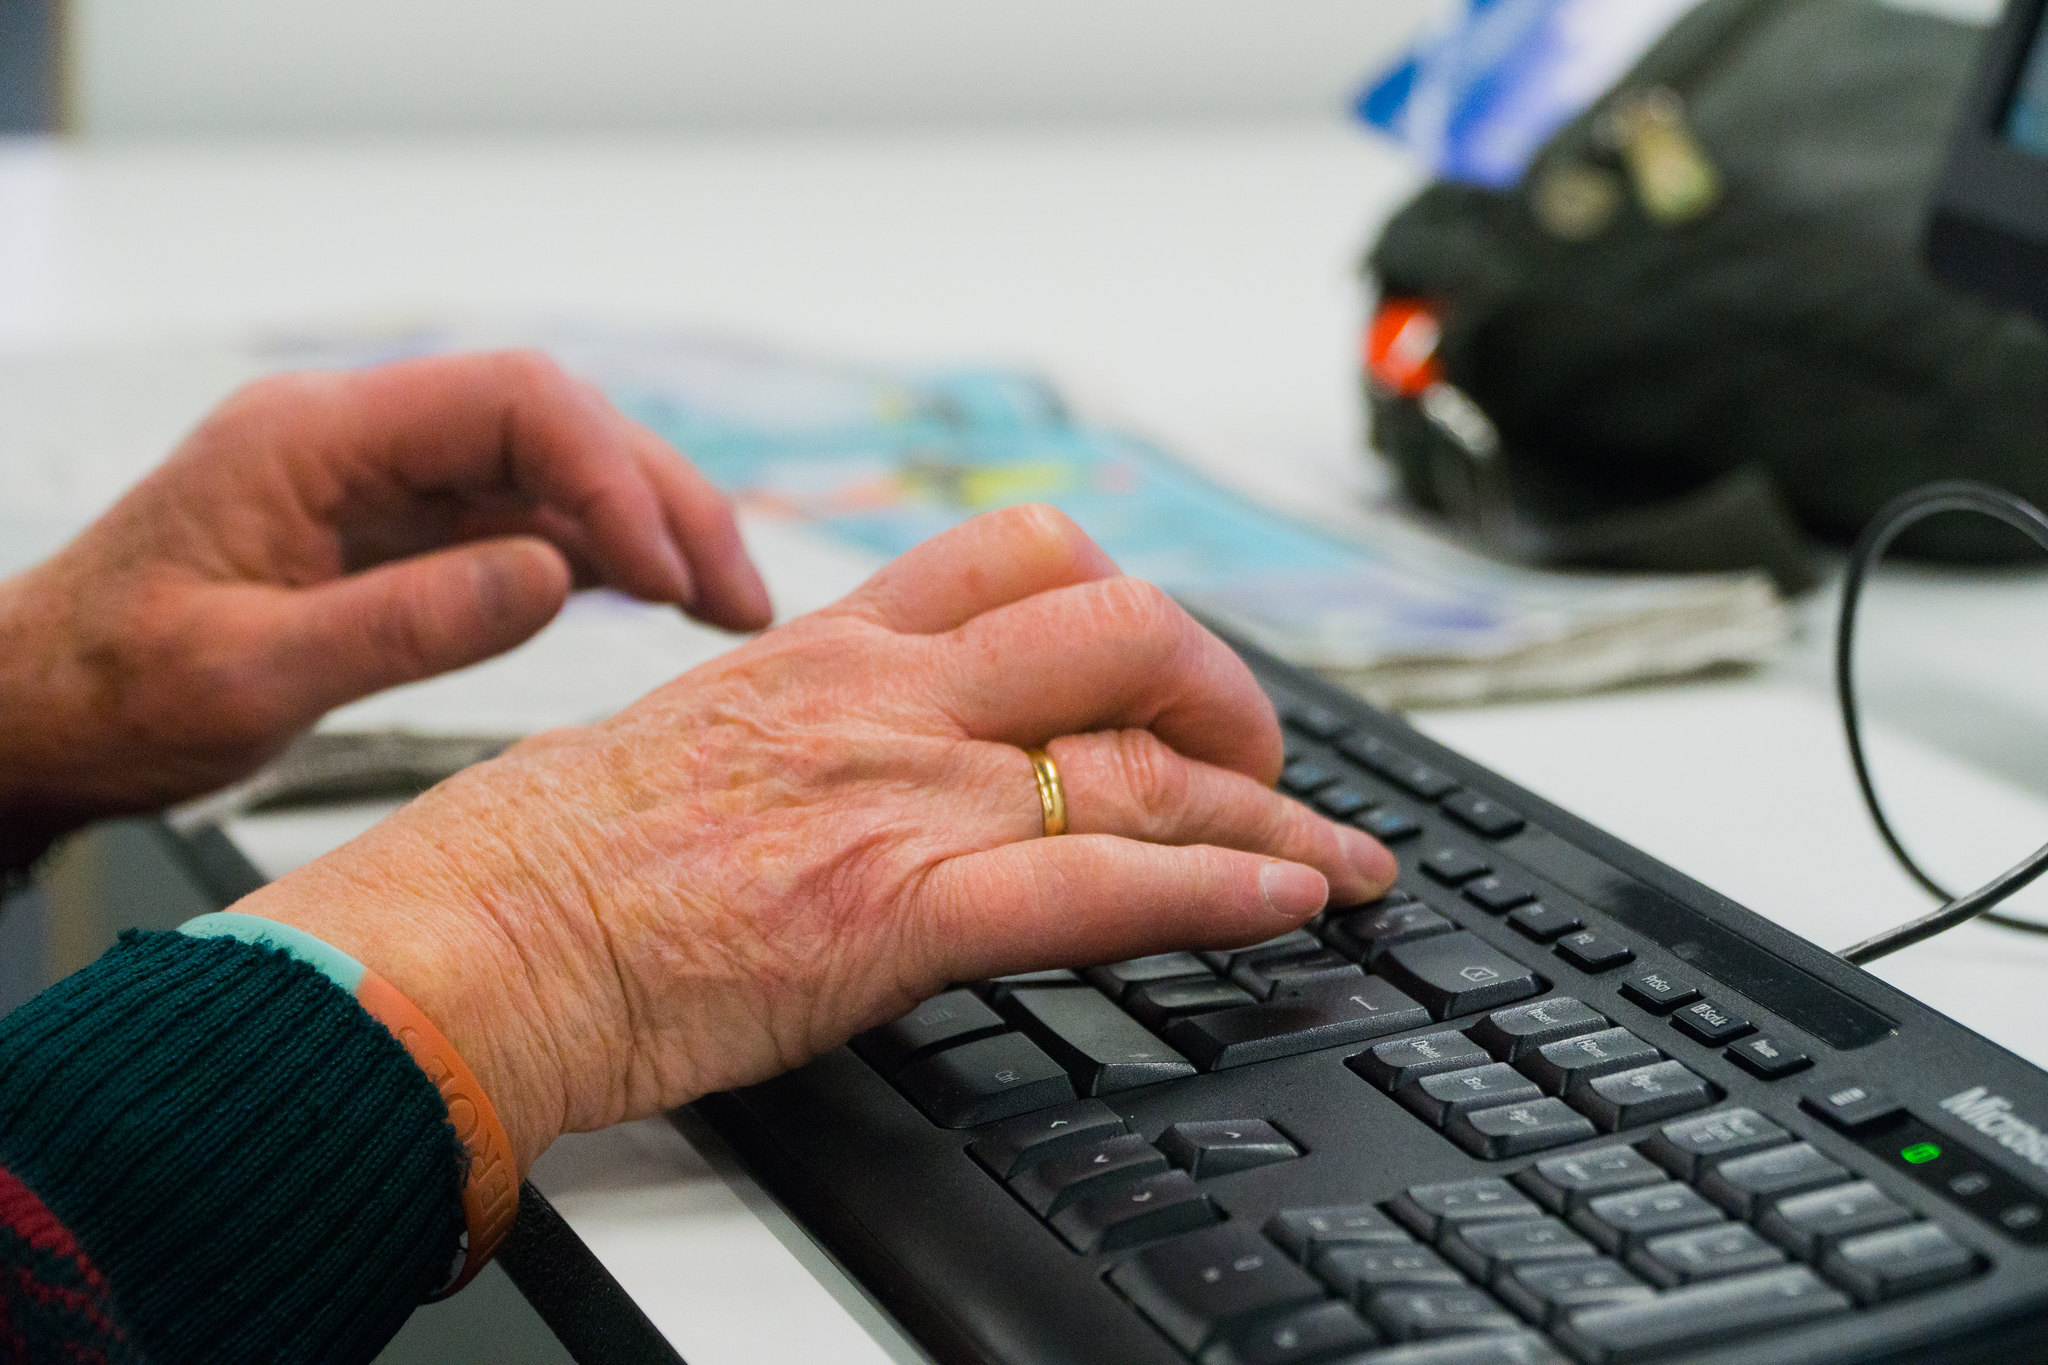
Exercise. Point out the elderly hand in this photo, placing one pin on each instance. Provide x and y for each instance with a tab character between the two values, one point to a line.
810	835
322	536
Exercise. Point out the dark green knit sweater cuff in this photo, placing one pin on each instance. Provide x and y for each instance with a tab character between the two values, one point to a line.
255	1164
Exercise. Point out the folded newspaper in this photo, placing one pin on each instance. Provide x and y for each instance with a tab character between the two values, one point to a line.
838	467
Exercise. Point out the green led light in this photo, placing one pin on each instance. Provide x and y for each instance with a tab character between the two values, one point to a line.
1920	1153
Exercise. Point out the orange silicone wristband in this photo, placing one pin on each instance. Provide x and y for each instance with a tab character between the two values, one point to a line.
490	1196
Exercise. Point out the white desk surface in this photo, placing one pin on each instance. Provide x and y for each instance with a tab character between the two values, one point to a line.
1198	284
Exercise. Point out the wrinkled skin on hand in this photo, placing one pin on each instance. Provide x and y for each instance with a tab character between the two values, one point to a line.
324	535
806	837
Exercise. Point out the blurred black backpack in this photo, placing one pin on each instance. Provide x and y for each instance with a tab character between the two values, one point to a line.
1699	331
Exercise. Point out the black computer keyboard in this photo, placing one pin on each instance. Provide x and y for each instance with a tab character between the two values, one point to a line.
1546	1102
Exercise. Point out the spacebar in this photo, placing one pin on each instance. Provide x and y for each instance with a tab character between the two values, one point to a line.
1685	1318
1259	1033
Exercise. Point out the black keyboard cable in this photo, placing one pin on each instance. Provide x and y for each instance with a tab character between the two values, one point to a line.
1891	521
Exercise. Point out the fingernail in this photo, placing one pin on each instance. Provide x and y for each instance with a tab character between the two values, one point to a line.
1367	856
1293	891
491	579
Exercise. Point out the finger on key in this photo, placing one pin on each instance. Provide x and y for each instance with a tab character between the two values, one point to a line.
1129	783
1085	898
1113	654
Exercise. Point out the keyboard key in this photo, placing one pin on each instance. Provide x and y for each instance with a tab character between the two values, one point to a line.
1644	1095
1545	1293
1397	766
1513	1034
1317	722
1482	815
1497	894
1592	952
1290	944
1457	974
1429	1210
955	1017
1711	1023
1139	1211
1852	1106
1435	1098
1391	1065
985	1080
1119	979
1747	1184
1161	1002
1307	1334
1521	1348
1566	1065
1387	826
1305	777
1808	1224
1287	977
1301	1232
1367	936
1102	1048
1031	1139
1426	1314
1544	923
1659	992
1564	1184
1619	1222
1486	1250
1898	1261
1356	1273
2020	1217
1706	1314
1454	866
999	990
1692	1146
1767	1058
1259	1033
1517	1129
1343	801
1195	1287
1394	896
1225	1146
1703	1254
1058	1181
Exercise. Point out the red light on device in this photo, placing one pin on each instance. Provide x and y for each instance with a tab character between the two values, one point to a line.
1401	347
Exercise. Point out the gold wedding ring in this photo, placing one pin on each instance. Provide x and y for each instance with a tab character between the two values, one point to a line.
1052	796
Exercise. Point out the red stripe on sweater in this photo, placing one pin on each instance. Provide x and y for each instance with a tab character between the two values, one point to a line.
26	1218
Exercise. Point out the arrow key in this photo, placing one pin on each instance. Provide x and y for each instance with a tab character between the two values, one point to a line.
1225	1146
1141	1211
1053	1184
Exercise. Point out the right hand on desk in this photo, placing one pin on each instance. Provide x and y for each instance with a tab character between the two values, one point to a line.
808	836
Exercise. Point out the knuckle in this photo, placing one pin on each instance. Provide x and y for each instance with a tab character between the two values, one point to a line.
398	639
528	368
1154	777
262	400
1142	611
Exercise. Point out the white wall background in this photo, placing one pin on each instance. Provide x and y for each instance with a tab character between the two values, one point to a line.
357	66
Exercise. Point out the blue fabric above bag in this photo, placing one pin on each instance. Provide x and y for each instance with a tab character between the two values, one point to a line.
1479	92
